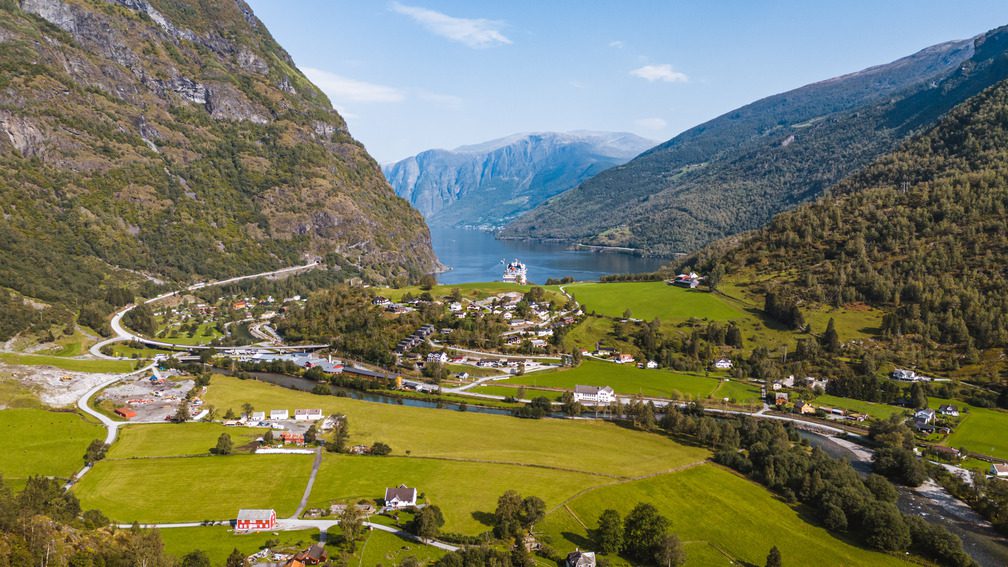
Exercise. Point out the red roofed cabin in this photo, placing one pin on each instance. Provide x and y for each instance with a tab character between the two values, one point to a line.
252	520
292	438
125	412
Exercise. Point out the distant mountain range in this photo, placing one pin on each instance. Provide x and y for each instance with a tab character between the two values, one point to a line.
490	183
736	171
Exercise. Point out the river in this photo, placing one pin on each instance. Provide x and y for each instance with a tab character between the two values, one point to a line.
475	256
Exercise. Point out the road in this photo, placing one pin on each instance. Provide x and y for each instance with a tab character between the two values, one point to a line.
311	483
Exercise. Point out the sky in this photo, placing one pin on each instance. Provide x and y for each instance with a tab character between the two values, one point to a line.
412	75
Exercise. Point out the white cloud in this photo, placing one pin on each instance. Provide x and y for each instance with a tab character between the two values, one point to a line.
653	123
451	101
473	32
343	89
663	72
616	44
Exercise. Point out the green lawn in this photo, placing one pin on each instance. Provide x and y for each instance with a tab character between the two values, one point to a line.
219	541
468	435
126	351
383	548
15	394
647	300
205	333
712	508
42	442
628	379
176	440
880	411
982	430
462	490
71	364
192	489
594	330
513	391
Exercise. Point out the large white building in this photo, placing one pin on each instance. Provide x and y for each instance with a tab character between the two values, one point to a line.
594	394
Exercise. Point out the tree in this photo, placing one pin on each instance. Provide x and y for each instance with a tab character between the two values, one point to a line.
224	445
352	524
268	437
427	282
247	409
830	340
885	528
714	276
609	535
918	396
95	452
236	559
197	558
428	522
627	314
773	559
182	413
380	449
533	509
311	435
643	530
507	516
669	551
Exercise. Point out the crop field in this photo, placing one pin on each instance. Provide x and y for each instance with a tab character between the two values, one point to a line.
175	440
712	509
178	489
647	300
468	435
628	379
466	492
41	442
71	364
219	541
981	430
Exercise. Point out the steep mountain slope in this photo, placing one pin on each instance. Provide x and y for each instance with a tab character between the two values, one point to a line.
177	139
491	183
922	231
736	171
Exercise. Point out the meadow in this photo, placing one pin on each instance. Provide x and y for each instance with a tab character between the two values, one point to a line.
880	411
648	300
443	433
192	489
219	541
466	492
981	430
723	519
41	442
470	291
70	364
628	379
512	391
173	440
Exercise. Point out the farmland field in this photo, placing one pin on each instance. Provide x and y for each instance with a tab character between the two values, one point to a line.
44	442
470	435
513	391
462	490
71	364
980	429
881	411
712	508
175	440
177	489
628	379
218	541
647	300
383	548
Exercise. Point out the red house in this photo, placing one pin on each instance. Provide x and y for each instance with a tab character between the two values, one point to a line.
253	520
292	438
125	412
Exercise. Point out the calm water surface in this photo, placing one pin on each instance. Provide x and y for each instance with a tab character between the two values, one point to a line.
475	256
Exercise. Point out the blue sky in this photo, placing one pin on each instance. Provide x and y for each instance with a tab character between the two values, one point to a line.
419	74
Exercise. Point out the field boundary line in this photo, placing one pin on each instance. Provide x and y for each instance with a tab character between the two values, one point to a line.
575	516
584	491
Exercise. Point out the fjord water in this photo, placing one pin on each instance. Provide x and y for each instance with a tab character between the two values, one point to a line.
475	256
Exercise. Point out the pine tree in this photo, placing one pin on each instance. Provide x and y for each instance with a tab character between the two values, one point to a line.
773	559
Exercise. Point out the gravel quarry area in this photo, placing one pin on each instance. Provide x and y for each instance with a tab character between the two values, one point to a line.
55	387
152	401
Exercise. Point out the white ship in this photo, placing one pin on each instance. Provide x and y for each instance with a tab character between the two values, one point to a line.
515	272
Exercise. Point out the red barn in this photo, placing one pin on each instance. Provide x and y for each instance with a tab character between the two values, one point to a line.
126	412
252	520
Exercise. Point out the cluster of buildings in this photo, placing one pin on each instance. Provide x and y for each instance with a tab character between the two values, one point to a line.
904	375
414	340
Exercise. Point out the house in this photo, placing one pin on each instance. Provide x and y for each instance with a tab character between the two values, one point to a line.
538	343
689	281
623	358
924	416
255	520
723	364
400	497
580	558
999	470
290	438
314	555
307	414
455	307
458	360
906	375
948	410
594	394
126	412
651	364
949	453
439	357
276	414
381	301
780	398
258	416
804	408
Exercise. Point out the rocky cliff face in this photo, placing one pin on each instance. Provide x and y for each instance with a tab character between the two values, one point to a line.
178	139
490	183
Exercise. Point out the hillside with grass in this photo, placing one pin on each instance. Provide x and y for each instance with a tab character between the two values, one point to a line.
165	141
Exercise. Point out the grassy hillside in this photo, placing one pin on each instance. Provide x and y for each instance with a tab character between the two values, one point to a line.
40	442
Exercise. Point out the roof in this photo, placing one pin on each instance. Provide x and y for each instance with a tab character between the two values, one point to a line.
253	515
581	558
948	407
592	390
400	493
1000	467
308	412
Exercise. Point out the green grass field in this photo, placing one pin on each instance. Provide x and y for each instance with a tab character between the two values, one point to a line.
628	379
175	440
205	333
981	430
647	300
71	364
71	345
469	435
383	548
126	351
15	394
594	330
41	442
513	391
463	490
880	411
218	541
712	509
192	489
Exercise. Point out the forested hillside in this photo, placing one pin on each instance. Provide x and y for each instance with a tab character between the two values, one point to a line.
174	140
922	231
735	172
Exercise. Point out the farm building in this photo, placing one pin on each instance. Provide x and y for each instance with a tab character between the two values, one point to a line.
580	559
253	520
307	414
258	416
279	414
290	438
125	412
400	497
623	358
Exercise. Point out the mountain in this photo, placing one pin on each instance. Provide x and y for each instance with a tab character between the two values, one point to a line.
736	171
921	232
176	140
490	183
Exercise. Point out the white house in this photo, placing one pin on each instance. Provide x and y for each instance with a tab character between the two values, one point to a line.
723	364
400	497
651	364
580	558
924	416
258	416
906	375
455	307
438	357
949	410
623	358
594	394
307	414
999	470
279	414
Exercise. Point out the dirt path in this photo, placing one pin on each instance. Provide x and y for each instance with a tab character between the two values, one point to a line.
311	483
